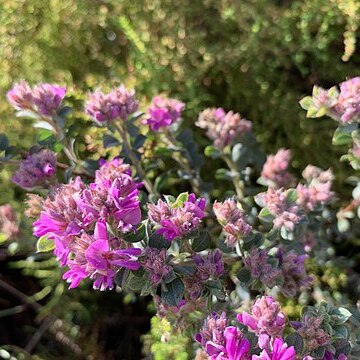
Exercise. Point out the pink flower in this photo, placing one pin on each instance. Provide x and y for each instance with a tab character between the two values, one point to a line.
9	226
20	96
285	213
266	320
349	100
223	128
156	265
280	351
119	103
36	170
235	348
232	220
94	258
163	112
110	170
275	170
179	221
47	98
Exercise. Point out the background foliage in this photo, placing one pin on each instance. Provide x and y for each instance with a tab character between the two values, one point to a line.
258	57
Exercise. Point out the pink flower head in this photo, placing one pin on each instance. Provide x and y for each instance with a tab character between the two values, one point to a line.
311	196
119	103
285	213
313	173
9	226
232	219
266	320
116	202
110	170
20	96
236	347
275	170
223	128
60	214
94	257
213	329
280	351
36	170
163	112
349	100
47	98
156	265
179	221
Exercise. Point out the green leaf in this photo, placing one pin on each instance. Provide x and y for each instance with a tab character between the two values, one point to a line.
139	141
237	151
306	102
110	141
341	137
121	277
319	352
343	225
136	283
244	275
173	293
28	114
44	244
134	237
45	135
291	195
212	151
340	332
223	174
64	111
183	197
158	242
296	341
265	215
4	142
186	270
201	242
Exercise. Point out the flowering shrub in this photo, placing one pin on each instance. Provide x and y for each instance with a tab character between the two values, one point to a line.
201	254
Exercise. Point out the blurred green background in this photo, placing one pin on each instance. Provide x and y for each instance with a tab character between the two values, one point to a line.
257	57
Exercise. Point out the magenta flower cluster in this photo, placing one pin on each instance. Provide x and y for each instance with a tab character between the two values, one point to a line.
163	112
119	103
78	218
44	99
285	213
233	221
275	170
221	127
36	170
222	342
175	222
266	320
